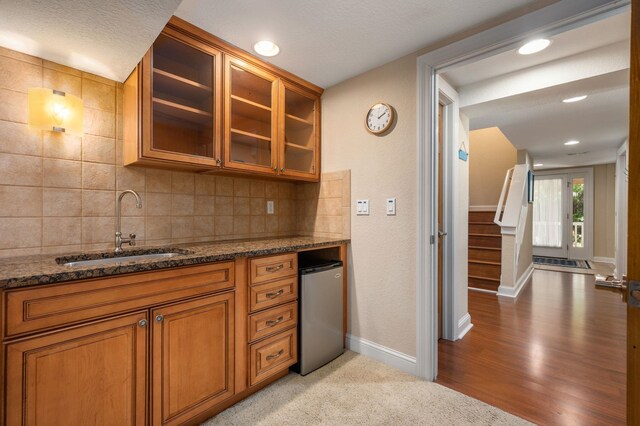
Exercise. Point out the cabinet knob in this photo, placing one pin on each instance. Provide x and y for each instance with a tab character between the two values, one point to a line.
142	323
159	318
218	161
275	169
282	170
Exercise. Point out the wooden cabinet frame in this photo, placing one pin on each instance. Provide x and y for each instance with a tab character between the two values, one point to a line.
138	105
138	96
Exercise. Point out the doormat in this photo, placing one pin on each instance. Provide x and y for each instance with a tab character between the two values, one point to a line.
554	261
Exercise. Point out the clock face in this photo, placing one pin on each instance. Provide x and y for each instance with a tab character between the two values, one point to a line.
379	118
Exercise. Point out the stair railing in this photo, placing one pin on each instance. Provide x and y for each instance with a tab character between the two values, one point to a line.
513	208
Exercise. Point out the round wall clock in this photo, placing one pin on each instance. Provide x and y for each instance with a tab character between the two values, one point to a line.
379	119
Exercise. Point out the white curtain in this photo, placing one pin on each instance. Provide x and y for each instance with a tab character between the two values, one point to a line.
547	212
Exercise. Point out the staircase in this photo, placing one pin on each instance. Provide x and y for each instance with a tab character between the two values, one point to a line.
485	251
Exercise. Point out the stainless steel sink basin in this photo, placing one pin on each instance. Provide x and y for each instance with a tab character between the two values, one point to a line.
111	258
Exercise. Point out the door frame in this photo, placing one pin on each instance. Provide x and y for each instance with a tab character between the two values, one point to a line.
588	207
547	21
622	203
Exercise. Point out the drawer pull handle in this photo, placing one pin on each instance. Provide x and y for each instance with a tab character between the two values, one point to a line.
274	268
271	323
275	356
274	294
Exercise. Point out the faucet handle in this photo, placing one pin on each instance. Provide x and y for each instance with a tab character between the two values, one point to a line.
132	239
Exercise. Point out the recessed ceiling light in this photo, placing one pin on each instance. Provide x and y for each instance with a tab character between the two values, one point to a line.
572	142
266	48
538	165
534	46
575	99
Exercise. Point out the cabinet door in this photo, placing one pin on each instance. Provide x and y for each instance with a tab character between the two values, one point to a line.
193	357
181	101
299	135
91	374
250	123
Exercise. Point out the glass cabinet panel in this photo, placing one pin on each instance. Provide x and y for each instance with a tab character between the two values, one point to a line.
250	118
299	133
183	120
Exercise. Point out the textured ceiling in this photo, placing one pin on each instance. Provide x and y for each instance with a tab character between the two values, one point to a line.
107	38
327	42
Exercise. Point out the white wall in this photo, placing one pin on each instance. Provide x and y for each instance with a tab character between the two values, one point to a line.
382	276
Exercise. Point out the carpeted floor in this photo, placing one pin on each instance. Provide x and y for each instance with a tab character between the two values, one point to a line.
356	390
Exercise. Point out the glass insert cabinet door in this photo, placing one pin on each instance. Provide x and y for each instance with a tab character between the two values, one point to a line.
299	136
250	118
185	81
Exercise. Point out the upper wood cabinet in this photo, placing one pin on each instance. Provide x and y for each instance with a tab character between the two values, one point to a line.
251	118
172	104
197	102
299	147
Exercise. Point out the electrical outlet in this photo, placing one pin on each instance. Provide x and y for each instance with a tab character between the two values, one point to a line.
270	207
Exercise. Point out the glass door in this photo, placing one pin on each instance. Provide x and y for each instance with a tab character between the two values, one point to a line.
299	138
549	206
184	102
563	215
250	118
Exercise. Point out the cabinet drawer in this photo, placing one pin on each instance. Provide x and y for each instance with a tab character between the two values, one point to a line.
270	268
273	293
273	355
42	308
272	321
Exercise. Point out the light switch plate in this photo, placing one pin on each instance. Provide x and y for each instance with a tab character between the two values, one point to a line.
362	207
270	207
391	206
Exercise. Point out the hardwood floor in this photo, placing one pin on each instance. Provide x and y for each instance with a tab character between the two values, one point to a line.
556	355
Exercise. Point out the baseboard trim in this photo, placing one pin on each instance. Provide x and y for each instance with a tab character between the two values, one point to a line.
383	354
514	292
610	260
483	208
483	290
464	325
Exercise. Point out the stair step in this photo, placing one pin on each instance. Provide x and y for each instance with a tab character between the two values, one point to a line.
489	270
484	283
485	240
484	216
485	254
483	228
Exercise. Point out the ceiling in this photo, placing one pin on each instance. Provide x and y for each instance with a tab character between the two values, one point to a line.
330	41
107	38
582	39
538	120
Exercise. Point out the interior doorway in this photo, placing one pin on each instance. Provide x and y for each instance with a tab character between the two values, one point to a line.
563	214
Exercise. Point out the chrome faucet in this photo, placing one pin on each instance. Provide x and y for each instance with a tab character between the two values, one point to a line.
132	237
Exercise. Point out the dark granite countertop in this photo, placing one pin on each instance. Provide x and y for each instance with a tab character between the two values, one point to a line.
33	270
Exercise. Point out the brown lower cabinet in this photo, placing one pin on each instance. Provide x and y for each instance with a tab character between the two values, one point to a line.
192	358
167	347
93	374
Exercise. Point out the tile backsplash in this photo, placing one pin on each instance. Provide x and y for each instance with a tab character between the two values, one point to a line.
58	192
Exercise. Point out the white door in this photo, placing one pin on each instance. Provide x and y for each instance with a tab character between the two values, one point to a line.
549	205
562	215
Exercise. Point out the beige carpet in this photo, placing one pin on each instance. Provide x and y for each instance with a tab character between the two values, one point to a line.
356	390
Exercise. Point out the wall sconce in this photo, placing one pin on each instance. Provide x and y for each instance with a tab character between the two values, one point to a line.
55	111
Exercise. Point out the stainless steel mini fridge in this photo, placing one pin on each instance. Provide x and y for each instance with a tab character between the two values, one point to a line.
320	319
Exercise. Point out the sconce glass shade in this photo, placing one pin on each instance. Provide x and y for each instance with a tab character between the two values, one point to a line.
55	111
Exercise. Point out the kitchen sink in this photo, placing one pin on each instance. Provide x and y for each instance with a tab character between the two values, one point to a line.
96	259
